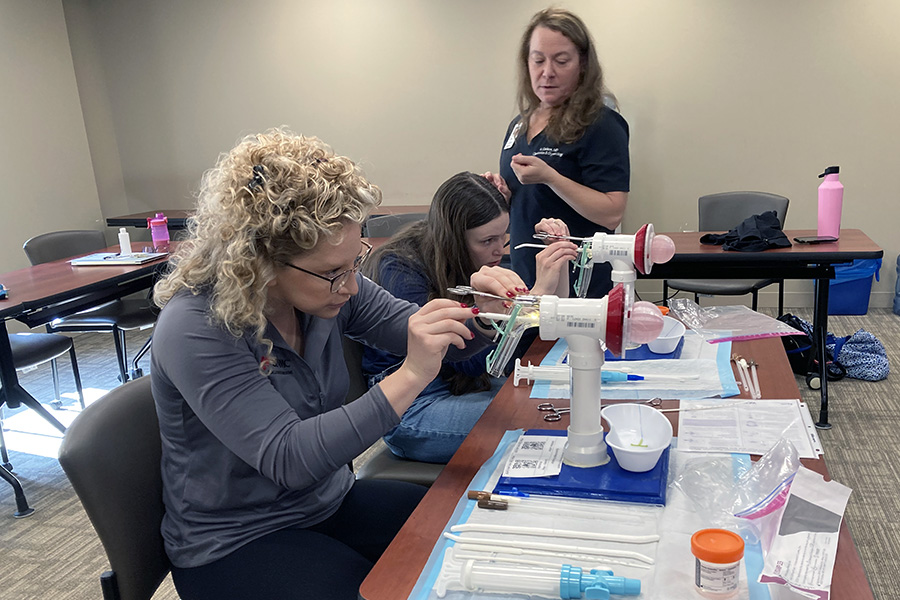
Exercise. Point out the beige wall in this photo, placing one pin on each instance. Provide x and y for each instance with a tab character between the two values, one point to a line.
46	180
719	95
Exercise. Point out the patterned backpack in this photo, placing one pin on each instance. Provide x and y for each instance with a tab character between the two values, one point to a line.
862	355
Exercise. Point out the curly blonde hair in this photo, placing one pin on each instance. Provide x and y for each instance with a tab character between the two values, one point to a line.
271	198
569	121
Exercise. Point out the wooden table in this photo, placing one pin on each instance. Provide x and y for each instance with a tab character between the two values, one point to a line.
44	292
694	260
395	574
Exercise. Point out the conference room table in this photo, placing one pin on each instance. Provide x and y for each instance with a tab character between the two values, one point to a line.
694	260
44	292
398	569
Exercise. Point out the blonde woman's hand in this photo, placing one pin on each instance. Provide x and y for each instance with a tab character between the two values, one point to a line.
499	183
552	263
552	227
431	330
531	169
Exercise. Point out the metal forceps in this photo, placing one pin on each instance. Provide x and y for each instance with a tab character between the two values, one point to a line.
553	414
546	236
465	290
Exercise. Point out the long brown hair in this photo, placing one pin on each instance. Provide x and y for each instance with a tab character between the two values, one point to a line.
569	120
438	247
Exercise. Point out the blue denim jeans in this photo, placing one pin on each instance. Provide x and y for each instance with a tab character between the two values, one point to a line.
436	424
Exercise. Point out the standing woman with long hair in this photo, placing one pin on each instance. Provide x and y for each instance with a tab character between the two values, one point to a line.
465	231
249	378
565	155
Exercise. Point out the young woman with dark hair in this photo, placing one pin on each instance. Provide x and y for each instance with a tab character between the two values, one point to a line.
465	231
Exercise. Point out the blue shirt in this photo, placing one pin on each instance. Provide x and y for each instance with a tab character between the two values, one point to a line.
598	160
408	282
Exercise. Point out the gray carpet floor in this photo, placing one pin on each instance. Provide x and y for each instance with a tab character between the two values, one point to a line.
55	553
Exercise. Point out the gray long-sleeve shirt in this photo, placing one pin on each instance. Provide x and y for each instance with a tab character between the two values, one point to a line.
245	454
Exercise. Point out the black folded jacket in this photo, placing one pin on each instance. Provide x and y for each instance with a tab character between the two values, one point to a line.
759	232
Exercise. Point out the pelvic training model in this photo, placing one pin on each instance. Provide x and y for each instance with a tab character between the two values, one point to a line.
587	324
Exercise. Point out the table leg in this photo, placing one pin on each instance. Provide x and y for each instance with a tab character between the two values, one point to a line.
22	508
820	333
13	395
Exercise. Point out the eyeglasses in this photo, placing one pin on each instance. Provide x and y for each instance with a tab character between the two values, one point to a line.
340	280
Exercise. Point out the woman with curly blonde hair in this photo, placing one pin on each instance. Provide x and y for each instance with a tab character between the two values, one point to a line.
565	155
249	377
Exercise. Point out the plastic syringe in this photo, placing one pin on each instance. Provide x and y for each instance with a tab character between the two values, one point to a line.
566	582
560	373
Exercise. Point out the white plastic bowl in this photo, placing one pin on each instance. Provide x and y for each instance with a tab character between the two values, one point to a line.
638	435
672	332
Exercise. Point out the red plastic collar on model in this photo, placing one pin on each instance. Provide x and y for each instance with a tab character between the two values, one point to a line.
641	244
615	319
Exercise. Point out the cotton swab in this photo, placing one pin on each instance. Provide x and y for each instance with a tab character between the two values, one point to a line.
525	561
550	532
710	407
755	377
562	555
546	546
737	363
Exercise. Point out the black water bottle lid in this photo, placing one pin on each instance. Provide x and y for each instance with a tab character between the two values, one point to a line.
831	171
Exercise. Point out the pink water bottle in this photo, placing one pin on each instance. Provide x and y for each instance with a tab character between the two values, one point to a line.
159	232
831	199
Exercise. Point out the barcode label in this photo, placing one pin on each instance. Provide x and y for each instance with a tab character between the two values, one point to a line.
529	445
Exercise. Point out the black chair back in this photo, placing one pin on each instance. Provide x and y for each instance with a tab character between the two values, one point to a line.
725	211
387	225
111	454
63	244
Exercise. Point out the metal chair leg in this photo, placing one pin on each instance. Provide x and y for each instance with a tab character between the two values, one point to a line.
77	375
4	455
755	294
137	372
119	338
22	508
781	297
54	372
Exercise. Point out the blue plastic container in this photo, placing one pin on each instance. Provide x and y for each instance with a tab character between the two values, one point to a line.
897	289
848	292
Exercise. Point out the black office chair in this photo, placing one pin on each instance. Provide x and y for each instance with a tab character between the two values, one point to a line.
33	349
111	454
384	226
116	317
723	212
383	464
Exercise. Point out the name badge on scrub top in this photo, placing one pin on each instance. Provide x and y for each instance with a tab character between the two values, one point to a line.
512	136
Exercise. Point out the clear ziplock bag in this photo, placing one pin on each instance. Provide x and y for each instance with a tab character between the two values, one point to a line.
728	323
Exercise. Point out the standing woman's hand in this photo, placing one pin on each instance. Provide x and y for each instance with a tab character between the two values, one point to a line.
552	227
552	268
497	180
531	169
